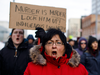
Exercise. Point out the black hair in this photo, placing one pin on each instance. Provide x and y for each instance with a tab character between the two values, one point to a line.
50	33
90	41
14	29
70	40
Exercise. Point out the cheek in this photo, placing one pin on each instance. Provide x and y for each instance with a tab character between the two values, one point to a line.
83	45
13	37
48	50
21	37
92	46
61	51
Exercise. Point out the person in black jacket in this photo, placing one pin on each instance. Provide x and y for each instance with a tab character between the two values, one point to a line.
99	44
15	56
91	57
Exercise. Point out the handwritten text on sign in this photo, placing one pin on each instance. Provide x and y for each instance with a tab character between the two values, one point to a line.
26	16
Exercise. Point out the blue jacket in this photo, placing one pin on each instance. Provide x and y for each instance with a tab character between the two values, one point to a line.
91	63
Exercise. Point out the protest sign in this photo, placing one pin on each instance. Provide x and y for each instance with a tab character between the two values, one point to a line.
25	16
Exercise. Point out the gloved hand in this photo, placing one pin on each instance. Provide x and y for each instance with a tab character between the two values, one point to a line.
40	33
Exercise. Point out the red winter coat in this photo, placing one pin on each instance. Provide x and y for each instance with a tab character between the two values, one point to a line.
55	67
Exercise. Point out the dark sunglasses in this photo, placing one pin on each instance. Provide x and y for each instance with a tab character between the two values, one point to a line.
83	43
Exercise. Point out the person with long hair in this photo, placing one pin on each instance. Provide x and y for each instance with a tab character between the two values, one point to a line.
91	58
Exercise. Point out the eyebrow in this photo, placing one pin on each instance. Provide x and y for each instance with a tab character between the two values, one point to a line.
53	40
18	31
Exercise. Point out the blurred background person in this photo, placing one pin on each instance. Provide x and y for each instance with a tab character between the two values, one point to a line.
82	45
71	42
30	39
91	58
14	57
76	43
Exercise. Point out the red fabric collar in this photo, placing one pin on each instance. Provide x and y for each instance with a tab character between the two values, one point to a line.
41	49
94	53
59	61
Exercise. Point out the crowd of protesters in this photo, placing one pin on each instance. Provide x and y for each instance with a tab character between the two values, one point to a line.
89	50
53	55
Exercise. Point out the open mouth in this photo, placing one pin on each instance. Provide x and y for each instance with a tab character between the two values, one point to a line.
17	39
54	54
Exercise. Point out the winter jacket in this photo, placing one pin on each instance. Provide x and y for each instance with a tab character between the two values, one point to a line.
59	66
79	49
11	64
91	63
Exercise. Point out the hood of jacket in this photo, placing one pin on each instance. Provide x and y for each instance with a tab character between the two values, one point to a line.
30	37
37	58
79	43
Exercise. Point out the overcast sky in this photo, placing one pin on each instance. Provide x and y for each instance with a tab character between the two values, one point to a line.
75	8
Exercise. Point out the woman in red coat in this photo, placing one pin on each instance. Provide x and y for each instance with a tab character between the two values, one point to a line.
57	57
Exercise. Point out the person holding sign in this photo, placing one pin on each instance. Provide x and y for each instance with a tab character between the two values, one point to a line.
14	57
56	58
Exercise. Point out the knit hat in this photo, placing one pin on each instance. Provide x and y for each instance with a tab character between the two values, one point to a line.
70	40
30	37
91	40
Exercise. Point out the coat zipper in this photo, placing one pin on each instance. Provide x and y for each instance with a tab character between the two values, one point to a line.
15	53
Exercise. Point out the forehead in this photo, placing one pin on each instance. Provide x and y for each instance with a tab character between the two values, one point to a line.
18	30
83	41
55	37
72	41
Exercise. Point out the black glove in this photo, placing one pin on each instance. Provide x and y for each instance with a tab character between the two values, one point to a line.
40	33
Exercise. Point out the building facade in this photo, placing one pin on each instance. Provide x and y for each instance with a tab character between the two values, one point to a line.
95	6
74	27
88	26
4	31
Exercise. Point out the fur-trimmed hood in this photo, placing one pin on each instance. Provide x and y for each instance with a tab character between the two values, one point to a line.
37	58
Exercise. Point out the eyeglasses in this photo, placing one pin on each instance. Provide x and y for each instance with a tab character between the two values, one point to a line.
83	43
50	43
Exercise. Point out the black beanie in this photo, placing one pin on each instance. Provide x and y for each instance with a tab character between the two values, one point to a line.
70	40
91	40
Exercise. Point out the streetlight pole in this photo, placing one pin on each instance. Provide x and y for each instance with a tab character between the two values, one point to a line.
96	20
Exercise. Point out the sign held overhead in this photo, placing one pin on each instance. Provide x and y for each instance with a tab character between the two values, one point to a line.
25	16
